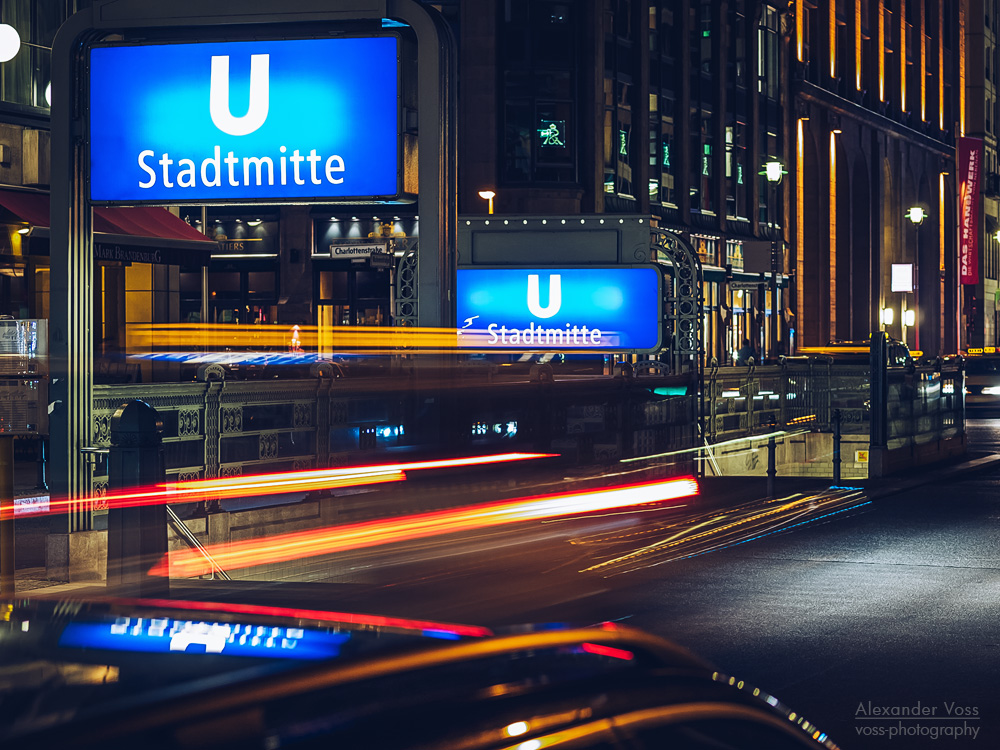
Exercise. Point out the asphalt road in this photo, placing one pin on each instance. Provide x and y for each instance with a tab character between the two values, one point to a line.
836	605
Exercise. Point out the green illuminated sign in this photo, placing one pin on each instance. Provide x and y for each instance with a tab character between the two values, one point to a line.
552	133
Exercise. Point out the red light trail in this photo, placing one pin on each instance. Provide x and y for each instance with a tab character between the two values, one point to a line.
184	563
271	484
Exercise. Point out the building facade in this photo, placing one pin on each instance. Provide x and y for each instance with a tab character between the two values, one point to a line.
878	91
668	109
982	107
664	108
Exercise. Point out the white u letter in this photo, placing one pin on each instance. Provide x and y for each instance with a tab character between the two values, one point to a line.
555	296
259	96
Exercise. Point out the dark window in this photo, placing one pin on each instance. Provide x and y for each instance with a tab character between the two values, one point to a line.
538	49
24	80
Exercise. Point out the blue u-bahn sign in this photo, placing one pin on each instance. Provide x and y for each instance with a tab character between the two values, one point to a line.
605	309
288	120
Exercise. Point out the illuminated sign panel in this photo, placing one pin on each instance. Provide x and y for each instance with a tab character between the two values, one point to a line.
970	157
902	277
608	309
244	121
166	635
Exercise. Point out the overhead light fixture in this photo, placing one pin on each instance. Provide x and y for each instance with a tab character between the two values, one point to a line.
24	230
254	222
354	218
916	214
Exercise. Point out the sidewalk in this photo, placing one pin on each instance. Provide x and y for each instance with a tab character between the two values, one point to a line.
716	492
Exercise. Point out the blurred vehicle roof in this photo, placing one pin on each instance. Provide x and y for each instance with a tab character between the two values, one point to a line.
166	674
898	352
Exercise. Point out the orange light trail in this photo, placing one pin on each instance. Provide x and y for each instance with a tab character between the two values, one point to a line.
274	484
183	563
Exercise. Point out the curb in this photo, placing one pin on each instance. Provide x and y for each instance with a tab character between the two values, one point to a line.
976	465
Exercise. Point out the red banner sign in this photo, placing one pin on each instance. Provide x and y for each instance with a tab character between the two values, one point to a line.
970	157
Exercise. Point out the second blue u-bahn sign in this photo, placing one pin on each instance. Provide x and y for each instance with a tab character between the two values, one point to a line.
279	120
556	309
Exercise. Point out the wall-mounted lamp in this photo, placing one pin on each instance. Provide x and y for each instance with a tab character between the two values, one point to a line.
887	316
910	318
774	171
488	195
916	214
24	230
836	131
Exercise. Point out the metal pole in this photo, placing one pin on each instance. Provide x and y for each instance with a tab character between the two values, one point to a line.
878	403
6	515
773	338
772	470
836	446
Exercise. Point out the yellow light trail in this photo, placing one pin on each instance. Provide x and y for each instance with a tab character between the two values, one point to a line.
185	563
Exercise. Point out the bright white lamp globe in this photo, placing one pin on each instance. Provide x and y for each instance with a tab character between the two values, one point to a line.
48	93
10	42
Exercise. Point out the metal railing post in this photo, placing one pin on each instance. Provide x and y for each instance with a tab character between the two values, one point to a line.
772	471
137	536
6	515
836	446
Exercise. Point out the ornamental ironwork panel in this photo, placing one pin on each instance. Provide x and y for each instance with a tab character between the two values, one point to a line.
405	313
232	419
684	299
188	422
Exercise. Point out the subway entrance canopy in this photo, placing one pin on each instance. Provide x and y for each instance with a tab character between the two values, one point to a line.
181	103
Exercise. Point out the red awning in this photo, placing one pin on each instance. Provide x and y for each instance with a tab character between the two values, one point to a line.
30	207
137	221
146	221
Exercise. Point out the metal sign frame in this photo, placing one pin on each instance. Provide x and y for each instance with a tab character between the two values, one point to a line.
71	421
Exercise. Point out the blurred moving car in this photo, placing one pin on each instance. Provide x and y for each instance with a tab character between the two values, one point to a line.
859	351
982	373
167	674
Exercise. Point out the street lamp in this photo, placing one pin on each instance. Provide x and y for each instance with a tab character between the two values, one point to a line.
774	170
916	215
10	45
488	195
10	42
